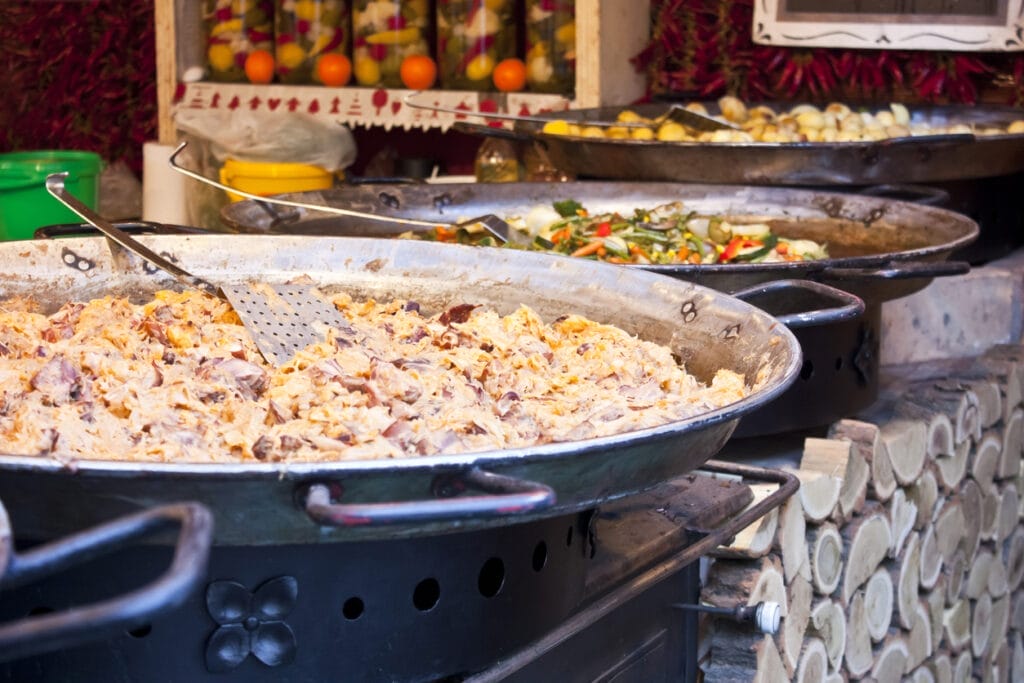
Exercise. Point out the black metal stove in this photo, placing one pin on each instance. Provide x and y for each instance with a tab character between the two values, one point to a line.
592	596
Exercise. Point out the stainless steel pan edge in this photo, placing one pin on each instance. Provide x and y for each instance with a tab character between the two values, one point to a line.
262	504
875	235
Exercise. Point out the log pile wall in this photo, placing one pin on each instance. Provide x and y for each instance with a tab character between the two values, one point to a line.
902	556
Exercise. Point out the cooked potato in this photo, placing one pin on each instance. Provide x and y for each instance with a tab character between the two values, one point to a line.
733	109
556	127
670	131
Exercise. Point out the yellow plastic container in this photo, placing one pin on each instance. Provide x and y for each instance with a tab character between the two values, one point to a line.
267	178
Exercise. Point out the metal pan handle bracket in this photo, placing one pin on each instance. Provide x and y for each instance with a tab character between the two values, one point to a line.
67	628
504	495
848	306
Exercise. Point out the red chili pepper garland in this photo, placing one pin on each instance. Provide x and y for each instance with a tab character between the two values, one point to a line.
703	48
78	75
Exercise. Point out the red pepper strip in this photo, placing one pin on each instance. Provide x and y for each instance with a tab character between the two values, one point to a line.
603	229
735	244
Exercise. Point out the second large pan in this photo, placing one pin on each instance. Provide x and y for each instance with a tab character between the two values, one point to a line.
880	249
916	159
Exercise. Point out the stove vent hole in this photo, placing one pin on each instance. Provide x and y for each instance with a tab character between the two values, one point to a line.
807	370
37	611
353	609
540	556
568	537
426	595
492	577
141	632
839	363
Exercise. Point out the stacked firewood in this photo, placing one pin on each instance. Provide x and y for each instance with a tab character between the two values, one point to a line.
902	556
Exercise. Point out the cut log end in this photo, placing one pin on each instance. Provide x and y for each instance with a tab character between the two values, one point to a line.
859	655
878	604
826	558
870	538
890	661
814	665
819	495
828	622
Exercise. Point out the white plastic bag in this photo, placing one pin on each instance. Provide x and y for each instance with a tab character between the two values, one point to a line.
269	136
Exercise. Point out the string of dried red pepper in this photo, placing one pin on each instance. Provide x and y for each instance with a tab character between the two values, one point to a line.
78	75
703	48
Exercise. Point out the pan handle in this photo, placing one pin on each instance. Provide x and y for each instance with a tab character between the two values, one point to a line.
48	232
896	270
503	495
928	140
496	132
848	306
71	627
917	194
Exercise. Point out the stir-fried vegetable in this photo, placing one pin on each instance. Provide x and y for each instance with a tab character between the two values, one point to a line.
667	234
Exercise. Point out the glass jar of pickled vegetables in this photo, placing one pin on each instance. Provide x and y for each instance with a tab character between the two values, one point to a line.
472	37
234	28
384	33
551	46
497	161
305	30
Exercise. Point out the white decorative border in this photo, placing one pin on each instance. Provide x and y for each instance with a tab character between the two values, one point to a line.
774	26
362	106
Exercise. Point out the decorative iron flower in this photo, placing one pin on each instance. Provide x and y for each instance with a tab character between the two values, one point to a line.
250	623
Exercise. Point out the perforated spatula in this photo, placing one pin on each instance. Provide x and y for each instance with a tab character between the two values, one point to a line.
281	318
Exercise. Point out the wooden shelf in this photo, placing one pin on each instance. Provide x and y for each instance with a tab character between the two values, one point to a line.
609	33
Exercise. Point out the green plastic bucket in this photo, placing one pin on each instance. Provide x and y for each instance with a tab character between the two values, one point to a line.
24	202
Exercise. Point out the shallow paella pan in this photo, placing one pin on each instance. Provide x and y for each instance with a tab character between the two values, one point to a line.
267	503
879	249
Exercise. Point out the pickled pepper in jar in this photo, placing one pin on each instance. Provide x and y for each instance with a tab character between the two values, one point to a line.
551	46
306	30
472	37
384	33
235	28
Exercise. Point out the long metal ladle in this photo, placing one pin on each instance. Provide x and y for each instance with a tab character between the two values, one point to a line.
497	227
676	112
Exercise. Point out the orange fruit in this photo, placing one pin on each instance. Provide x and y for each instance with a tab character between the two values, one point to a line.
509	75
333	69
418	72
259	66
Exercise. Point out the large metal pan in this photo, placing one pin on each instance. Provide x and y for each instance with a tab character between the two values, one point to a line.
880	248
922	159
274	503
